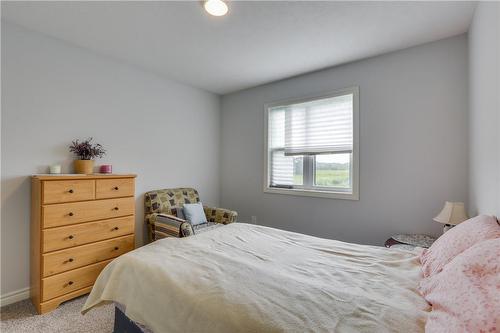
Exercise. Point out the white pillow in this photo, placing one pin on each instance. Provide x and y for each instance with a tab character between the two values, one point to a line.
194	213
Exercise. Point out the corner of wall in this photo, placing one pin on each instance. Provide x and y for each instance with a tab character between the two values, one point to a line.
484	110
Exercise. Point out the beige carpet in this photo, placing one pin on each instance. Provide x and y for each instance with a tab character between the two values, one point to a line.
21	317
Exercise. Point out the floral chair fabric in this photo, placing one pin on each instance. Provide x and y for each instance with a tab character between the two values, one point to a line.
161	213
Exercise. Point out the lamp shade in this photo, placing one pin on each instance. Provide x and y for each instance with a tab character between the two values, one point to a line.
452	213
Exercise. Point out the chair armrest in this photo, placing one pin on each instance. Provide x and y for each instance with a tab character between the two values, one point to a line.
165	225
220	215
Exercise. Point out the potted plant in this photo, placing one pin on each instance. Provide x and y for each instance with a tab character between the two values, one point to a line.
86	152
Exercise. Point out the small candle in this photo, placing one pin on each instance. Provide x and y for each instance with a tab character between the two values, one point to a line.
106	168
56	168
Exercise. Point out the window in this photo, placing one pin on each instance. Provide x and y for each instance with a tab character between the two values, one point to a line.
312	146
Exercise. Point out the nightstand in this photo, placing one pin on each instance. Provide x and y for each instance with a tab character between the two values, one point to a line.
409	241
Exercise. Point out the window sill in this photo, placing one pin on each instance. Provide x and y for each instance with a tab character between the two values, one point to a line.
313	193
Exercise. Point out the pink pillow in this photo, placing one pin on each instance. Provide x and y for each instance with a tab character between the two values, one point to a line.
457	240
465	296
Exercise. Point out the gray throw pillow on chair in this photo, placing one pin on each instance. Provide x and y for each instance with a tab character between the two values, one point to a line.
194	213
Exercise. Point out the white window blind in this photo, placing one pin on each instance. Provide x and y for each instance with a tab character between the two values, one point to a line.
282	169
277	128
282	166
317	127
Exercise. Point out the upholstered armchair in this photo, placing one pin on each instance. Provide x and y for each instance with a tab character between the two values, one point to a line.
161	213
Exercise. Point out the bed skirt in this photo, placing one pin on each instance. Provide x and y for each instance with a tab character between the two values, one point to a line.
124	324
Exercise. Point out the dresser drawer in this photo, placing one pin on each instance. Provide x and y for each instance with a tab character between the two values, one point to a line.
56	191
74	235
64	283
114	188
65	260
77	212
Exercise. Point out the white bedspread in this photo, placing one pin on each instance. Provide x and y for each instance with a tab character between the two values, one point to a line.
247	278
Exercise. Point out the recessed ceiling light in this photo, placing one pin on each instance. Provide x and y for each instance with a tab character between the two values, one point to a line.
216	7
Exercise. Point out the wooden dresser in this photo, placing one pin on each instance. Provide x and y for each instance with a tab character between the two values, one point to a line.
78	225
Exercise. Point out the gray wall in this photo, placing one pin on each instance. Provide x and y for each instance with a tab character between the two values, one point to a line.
484	117
52	92
413	146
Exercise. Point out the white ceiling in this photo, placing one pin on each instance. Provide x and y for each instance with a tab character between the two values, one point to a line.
256	43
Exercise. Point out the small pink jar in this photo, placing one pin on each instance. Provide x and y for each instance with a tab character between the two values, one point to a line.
106	168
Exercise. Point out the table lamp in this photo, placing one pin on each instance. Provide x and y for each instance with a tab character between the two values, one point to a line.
452	214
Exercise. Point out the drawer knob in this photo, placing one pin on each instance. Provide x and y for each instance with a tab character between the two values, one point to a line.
116	248
71	191
70	237
115	228
115	188
70	259
70	214
116	208
70	283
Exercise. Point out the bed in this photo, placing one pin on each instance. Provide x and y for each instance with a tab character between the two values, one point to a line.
248	278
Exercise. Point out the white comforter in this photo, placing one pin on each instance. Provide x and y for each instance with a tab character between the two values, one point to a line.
247	278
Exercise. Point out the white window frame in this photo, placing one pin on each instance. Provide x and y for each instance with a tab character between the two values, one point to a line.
317	191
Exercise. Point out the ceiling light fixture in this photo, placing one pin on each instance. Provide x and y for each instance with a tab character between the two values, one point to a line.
216	7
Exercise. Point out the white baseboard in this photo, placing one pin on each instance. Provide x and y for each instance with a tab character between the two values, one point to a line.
14	296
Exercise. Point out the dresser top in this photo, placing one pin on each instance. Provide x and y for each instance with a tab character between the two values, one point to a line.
68	176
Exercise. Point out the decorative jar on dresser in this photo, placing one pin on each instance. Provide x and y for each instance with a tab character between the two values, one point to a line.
79	223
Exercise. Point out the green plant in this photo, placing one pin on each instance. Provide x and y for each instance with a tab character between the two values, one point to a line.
86	150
